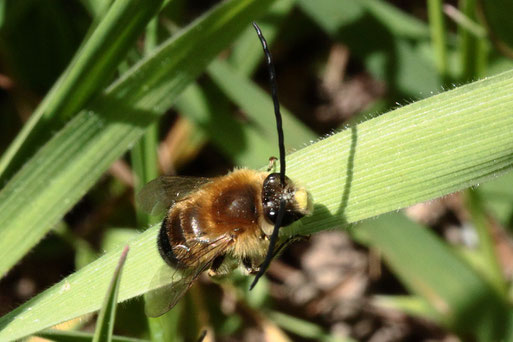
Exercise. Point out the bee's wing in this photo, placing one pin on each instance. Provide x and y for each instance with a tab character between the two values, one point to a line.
161	300
162	192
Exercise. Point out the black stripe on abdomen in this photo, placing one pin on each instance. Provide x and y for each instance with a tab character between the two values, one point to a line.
165	247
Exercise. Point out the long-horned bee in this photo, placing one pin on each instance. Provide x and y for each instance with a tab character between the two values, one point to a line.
213	224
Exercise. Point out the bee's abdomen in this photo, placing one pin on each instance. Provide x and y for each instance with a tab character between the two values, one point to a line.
183	223
165	245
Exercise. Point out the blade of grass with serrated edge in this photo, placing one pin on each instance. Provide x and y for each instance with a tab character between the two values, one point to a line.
63	170
464	301
415	153
79	336
92	68
107	316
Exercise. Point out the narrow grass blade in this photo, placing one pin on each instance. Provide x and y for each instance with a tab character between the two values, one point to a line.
91	69
438	37
305	329
257	105
78	336
462	298
62	171
415	153
213	114
412	305
107	316
144	154
486	245
473	50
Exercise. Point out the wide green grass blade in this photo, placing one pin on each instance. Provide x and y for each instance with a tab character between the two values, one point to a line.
91	69
462	298
79	336
62	171
107	316
425	150
415	153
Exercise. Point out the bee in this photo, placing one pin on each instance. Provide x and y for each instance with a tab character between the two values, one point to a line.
214	224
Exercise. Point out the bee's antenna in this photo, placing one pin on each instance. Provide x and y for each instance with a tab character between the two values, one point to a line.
274	92
281	144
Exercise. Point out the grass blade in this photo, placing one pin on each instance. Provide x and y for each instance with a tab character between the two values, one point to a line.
107	316
91	69
415	153
63	170
438	39
257	105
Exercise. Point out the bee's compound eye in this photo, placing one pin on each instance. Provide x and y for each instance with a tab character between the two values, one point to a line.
271	196
272	192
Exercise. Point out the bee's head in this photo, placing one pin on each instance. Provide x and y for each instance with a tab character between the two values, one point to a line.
298	201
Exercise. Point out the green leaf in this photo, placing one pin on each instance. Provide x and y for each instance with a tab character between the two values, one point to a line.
91	69
462	298
107	316
415	153
62	171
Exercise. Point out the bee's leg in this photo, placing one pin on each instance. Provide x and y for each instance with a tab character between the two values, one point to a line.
287	242
249	266
218	261
272	163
